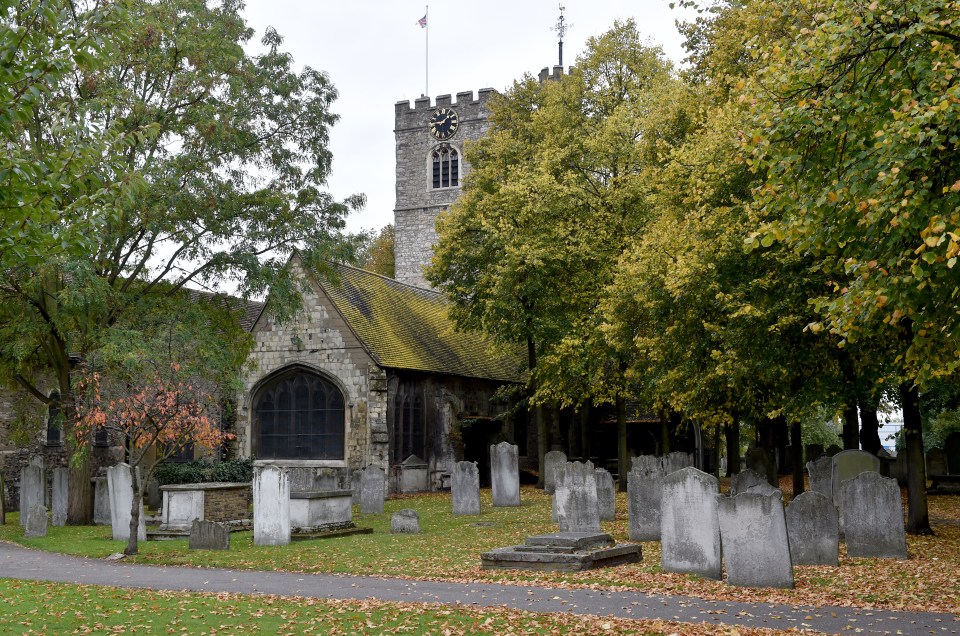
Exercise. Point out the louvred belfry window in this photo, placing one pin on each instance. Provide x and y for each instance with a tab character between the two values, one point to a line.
298	415
446	167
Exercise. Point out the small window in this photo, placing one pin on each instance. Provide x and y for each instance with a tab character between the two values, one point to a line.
446	167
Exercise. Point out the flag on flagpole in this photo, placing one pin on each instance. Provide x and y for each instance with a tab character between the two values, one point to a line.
422	22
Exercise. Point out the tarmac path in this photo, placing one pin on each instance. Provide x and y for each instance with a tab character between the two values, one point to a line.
17	562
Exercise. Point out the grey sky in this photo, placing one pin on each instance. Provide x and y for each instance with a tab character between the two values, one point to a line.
374	52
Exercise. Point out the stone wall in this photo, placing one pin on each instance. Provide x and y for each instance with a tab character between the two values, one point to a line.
227	503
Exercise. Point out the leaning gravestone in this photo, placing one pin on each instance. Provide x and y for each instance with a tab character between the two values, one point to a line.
644	486
673	462
689	527
36	522
745	479
606	495
821	475
552	461
33	486
951	447
101	502
753	533
209	535
575	498
873	517
406	521
762	461
372	482
465	488
814	529
848	464
271	506
505	474
58	497
120	487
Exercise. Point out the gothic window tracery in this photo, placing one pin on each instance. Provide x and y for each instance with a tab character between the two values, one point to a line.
446	167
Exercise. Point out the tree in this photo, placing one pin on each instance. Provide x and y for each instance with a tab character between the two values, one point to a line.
378	256
219	177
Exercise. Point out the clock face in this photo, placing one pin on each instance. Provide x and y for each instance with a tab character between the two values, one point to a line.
444	123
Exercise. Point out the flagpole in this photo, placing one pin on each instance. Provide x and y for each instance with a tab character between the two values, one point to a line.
426	65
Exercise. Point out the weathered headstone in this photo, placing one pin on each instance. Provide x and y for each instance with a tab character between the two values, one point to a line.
465	488
120	488
764	489
745	479
355	476
552	461
606	495
814	529
33	486
848	464
505	474
753	532
673	462
209	535
372	482
644	486
271	506
406	521
154	495
689	527
813	451
35	522
936	462
101	502
821	475
575	498
59	496
763	462
873	517
951	446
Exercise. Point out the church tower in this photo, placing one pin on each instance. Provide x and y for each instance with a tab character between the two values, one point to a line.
430	171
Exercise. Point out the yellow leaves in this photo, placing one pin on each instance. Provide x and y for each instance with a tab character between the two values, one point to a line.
833	196
956	186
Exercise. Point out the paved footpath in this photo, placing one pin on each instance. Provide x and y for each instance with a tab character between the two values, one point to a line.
17	562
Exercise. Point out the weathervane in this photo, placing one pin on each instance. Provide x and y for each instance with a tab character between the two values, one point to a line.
561	29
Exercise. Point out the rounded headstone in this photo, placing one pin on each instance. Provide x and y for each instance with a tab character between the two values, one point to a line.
406	521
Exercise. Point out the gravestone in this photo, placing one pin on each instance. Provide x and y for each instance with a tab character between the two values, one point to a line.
575	498
673	462
873	517
644	486
764	489
606	495
552	461
209	535
33	486
271	506
36	522
59	496
406	521
355	486
465	488
813	451
951	446
154	495
505	474
689	527
745	479
753	533
101	502
763	462
848	464
821	475
936	462
372	483
814	529
120	488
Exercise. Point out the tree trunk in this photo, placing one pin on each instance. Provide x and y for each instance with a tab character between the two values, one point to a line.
869	428
133	542
918	520
556	438
796	455
733	448
585	432
622	460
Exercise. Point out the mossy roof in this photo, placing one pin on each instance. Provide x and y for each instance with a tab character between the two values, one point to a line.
406	327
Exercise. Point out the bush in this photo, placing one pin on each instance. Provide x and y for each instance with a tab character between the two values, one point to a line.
198	472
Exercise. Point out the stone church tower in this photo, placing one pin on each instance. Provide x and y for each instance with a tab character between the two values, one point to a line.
430	171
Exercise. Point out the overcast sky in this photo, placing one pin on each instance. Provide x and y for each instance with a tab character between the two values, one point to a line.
374	52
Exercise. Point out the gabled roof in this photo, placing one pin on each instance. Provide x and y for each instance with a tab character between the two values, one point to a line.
406	327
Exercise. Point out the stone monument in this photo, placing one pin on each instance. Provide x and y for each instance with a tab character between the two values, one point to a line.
465	488
689	526
372	484
505	474
753	533
271	506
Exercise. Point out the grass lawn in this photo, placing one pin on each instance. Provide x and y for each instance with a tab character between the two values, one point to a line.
449	548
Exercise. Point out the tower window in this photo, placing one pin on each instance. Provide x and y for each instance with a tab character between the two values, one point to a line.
446	167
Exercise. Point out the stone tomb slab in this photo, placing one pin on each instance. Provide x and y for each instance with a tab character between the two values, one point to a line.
224	502
563	552
312	512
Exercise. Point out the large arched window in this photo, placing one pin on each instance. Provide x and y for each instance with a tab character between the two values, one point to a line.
446	167
409	429
298	415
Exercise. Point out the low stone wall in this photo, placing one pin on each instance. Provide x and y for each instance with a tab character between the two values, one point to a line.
217	501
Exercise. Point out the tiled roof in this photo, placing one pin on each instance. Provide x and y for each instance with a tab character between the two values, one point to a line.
405	327
247	311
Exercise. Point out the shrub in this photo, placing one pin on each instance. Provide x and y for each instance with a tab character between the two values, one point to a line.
198	472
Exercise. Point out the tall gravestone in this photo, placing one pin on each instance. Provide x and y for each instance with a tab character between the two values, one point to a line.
101	502
763	462
36	522
673	462
821	475
505	474
745	479
59	496
846	465
552	461
873	517
465	488
951	447
606	495
689	527
814	529
372	486
753	533
575	498
271	506
355	486
33	486
120	487
644	487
